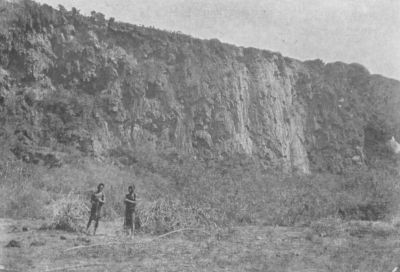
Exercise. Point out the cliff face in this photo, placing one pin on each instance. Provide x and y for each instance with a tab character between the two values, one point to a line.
72	84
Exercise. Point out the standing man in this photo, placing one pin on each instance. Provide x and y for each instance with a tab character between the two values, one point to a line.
97	199
130	205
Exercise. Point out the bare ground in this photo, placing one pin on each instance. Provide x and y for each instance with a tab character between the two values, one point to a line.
348	246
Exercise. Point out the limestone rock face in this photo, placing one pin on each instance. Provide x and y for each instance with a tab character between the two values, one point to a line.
72	84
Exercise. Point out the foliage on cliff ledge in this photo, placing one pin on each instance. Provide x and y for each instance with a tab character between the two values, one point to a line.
72	85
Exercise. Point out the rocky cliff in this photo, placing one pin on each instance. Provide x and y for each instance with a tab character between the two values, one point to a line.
71	84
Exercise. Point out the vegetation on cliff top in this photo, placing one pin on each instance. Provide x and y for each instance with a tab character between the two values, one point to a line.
72	86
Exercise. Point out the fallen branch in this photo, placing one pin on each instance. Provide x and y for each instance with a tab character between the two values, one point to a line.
95	245
135	243
73	267
109	244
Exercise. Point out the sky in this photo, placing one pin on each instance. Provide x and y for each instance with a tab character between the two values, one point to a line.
362	31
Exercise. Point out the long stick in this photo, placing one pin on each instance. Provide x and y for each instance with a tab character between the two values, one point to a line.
135	243
107	244
95	245
73	267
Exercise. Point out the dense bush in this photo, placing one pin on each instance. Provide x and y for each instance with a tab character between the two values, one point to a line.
69	213
239	191
165	214
176	192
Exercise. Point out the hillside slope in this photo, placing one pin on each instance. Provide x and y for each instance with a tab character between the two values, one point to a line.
74	85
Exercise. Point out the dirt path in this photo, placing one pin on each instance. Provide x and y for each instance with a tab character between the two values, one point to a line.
356	246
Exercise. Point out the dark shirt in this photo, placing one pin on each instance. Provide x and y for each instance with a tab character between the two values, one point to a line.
130	206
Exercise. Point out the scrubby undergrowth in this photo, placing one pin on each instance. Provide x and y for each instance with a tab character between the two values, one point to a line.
176	192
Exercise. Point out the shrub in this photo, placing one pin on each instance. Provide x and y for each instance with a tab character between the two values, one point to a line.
69	213
368	195
360	195
165	214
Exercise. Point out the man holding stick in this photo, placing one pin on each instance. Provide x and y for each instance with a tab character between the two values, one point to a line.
97	200
130	205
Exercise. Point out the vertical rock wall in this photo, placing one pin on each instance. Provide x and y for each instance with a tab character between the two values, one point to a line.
70	83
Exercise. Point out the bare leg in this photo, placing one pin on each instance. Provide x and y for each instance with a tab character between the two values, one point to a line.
91	218
88	224
126	230
133	225
96	225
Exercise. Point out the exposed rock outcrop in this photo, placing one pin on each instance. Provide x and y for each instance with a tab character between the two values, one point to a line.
393	145
70	83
